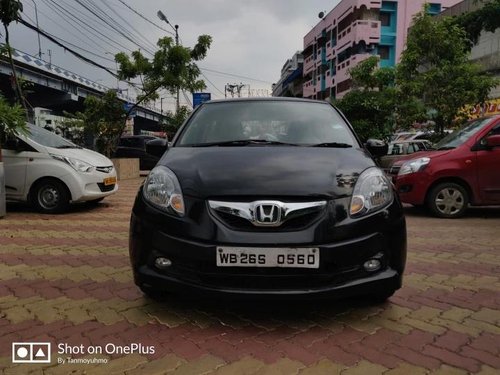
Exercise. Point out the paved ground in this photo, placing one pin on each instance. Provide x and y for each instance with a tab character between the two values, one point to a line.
66	279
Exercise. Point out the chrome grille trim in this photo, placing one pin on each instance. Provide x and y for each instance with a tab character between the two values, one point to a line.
247	210
108	169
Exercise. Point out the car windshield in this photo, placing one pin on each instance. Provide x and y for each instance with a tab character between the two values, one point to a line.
267	123
459	136
48	139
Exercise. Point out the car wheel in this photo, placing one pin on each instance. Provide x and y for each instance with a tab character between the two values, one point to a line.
381	297
50	197
448	200
152	293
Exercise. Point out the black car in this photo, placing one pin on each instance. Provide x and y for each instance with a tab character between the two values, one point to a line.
268	197
134	146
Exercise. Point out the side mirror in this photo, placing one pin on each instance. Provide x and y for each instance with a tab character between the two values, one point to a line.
11	143
157	147
376	147
493	141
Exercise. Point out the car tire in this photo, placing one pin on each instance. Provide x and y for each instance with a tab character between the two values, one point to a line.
381	297
152	293
448	200
50	196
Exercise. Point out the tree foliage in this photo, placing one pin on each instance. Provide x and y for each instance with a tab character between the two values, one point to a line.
104	118
370	105
486	18
12	120
172	67
10	11
173	121
435	70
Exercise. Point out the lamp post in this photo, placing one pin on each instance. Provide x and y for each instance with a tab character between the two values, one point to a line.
38	32
162	17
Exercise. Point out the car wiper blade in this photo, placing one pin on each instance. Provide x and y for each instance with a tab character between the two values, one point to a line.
67	146
244	142
446	148
332	144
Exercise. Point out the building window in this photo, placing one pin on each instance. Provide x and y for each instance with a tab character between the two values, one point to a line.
384	52
434	8
385	19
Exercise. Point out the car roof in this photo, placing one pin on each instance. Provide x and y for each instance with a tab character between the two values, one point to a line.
266	99
410	141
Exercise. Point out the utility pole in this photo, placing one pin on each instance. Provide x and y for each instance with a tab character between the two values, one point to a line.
164	18
38	31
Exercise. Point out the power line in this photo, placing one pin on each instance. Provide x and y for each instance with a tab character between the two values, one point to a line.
61	11
236	75
92	11
212	84
131	35
146	19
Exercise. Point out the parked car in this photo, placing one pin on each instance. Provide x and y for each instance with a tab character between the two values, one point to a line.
50	172
400	148
134	146
463	169
230	212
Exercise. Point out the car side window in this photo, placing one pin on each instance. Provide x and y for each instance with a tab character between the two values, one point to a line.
411	149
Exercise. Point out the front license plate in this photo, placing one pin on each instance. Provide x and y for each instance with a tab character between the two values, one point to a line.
109	181
268	257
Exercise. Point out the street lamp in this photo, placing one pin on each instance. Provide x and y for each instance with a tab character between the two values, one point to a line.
163	18
38	31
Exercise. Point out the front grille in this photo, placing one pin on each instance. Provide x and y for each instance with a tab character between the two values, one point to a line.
105	188
108	169
238	223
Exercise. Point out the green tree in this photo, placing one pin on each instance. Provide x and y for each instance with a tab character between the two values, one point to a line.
486	18
435	71
10	11
173	121
104	118
370	105
173	67
12	121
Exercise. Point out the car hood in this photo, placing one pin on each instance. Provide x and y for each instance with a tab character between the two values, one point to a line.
83	154
266	171
421	154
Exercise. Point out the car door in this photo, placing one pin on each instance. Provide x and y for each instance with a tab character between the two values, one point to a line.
16	155
488	170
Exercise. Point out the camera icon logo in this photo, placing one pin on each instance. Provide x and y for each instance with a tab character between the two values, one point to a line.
31	352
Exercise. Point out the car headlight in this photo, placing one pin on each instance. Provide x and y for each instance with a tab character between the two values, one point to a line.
412	166
372	192
78	165
162	189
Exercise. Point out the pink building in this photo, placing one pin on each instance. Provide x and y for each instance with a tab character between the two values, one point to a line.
350	33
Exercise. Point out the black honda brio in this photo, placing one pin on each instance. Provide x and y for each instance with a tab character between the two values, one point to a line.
268	197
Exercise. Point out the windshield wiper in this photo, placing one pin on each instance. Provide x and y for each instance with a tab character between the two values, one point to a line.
445	148
244	142
333	144
67	146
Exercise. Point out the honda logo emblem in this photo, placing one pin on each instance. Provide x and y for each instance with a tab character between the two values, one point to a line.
267	214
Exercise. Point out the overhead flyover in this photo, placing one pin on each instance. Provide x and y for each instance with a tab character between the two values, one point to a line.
61	90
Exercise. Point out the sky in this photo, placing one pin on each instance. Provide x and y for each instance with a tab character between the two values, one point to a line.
252	39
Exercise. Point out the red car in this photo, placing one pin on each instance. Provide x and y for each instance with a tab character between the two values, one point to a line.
463	169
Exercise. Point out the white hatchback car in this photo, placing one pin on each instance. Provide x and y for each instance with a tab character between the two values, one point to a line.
50	172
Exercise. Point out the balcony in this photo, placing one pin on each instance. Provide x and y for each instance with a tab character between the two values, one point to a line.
361	30
308	89
308	64
343	67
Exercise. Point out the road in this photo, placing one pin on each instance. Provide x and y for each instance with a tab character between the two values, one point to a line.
66	279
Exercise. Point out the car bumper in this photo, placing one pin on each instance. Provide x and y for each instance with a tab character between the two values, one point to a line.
194	271
89	186
412	188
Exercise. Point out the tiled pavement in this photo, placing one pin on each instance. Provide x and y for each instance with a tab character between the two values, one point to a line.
66	279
